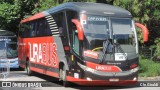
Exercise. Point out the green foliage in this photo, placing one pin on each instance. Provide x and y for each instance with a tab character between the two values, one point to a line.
12	11
26	7
7	1
46	4
140	35
148	68
157	46
8	14
156	55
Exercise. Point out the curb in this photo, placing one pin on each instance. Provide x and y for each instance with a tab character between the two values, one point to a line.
157	78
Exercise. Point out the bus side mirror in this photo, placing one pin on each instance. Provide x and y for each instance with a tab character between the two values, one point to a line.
144	31
79	28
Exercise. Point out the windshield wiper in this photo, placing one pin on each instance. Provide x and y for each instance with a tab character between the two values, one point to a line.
106	44
9	50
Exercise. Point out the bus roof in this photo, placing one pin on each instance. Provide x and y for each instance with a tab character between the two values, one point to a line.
84	7
92	8
6	33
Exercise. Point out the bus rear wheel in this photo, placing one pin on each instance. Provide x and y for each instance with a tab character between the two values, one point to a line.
63	76
29	72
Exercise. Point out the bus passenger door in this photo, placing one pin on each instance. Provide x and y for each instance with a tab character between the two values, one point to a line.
75	43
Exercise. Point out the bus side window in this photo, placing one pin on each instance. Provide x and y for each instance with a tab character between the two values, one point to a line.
26	30
38	30
31	29
46	27
59	18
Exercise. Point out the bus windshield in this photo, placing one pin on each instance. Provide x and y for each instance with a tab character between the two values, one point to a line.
2	49
8	47
11	50
122	31
95	31
123	34
99	29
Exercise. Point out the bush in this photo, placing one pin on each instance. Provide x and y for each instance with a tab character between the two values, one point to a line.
148	68
156	55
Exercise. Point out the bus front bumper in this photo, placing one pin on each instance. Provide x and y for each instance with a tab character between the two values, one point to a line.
86	82
94	77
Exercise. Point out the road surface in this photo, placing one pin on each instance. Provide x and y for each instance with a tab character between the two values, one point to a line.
54	84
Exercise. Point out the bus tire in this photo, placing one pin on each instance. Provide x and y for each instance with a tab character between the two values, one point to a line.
29	72
63	76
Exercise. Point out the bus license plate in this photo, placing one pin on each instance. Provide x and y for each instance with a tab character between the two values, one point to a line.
114	79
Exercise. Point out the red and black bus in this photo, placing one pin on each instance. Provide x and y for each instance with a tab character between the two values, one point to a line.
83	43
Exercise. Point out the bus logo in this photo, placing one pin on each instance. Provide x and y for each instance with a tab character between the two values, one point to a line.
91	54
44	53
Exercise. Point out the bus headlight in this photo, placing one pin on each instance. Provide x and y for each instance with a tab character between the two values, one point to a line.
135	69
89	79
135	78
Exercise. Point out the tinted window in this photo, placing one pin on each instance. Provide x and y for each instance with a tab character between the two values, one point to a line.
36	28
59	23
42	28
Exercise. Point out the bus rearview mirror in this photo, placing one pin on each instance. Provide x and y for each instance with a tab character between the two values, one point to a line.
79	28
144	31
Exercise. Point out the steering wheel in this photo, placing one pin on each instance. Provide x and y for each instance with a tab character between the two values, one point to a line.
97	48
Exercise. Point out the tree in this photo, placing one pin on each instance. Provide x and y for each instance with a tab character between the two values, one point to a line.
42	5
8	15
12	11
46	4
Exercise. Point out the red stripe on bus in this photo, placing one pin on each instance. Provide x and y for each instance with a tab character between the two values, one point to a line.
52	74
36	16
105	68
44	72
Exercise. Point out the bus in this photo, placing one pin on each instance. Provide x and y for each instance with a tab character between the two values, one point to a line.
83	43
8	49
